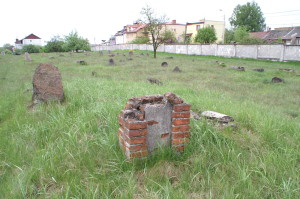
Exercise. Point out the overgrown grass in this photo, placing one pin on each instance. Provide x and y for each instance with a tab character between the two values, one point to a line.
71	150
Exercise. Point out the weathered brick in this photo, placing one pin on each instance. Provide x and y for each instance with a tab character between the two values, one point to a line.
185	114
177	141
165	135
138	154
181	121
135	133
179	148
173	99
136	125
180	135
182	107
121	121
140	147
135	140
180	128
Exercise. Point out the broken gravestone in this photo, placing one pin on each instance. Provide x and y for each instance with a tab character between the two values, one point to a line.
151	122
164	64
239	68
176	69
27	56
286	69
219	119
277	80
154	81
81	62
47	84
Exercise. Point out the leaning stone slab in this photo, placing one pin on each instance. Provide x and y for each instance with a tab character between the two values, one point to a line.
27	57
47	84
277	80
219	117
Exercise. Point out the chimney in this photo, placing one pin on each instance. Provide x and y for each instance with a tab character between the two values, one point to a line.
174	21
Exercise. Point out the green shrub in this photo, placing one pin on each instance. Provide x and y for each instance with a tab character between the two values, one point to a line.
31	48
56	44
206	35
140	40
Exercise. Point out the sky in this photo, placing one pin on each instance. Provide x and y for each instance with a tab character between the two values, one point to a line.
98	20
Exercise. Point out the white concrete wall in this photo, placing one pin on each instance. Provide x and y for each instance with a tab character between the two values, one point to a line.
273	52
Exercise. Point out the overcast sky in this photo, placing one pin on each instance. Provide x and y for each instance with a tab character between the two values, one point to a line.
97	20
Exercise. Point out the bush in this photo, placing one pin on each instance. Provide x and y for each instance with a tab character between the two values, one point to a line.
73	42
56	44
169	37
32	48
140	40
206	35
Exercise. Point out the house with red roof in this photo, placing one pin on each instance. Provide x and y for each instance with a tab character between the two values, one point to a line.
30	39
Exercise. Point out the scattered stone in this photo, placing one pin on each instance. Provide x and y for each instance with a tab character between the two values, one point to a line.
277	80
130	59
174	99
177	69
239	68
27	57
3	53
94	74
47	84
81	62
259	69
100	53
124	55
219	117
195	115
154	81
222	64
286	69
164	64
169	58
130	53
298	74
111	62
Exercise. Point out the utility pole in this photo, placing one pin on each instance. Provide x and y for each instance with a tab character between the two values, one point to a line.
223	35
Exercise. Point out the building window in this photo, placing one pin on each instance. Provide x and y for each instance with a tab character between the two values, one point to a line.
197	27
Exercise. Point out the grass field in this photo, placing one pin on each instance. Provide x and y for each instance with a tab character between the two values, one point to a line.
71	150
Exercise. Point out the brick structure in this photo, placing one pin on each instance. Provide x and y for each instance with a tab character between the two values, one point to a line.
149	122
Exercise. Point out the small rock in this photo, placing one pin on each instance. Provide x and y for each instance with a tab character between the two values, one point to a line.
164	64
27	57
195	115
111	55
169	58
222	64
239	68
220	117
173	99
176	69
154	81
258	69
277	80
94	74
130	53
130	59
81	62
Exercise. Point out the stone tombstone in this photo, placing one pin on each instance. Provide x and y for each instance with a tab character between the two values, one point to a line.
47	84
164	64
3	53
27	56
177	69
111	62
258	69
151	122
154	81
130	53
277	80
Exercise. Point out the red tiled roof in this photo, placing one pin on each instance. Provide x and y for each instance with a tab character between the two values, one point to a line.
32	36
135	27
260	35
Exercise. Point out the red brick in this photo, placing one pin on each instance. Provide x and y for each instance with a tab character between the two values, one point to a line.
177	141
121	131
135	133
180	128
136	125
182	107
138	154
180	135
179	148
142	147
137	140
164	135
181	121
186	114
121	121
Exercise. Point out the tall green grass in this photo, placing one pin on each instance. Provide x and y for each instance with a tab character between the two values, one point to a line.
70	150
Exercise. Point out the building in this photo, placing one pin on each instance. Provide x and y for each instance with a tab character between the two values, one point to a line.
288	35
30	39
177	29
192	29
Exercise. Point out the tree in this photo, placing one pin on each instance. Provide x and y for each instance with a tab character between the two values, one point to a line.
206	35
140	40
56	44
154	27
32	48
250	16
73	42
169	37
229	35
